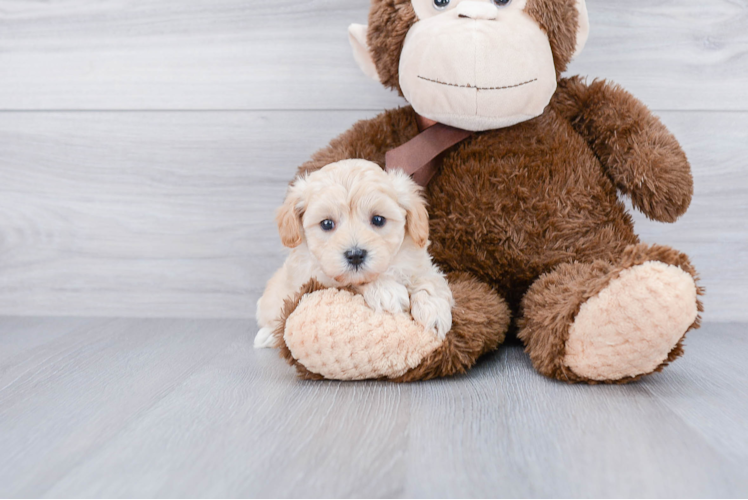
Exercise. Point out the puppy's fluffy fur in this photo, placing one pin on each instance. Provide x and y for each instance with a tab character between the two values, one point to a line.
353	224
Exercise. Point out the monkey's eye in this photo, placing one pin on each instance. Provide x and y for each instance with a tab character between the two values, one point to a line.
441	4
502	3
378	220
327	225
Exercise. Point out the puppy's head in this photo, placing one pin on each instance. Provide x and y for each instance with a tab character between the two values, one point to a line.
354	217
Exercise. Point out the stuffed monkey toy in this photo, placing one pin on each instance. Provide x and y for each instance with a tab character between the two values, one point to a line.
522	171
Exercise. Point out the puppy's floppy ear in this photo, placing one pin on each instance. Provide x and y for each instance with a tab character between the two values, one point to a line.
410	198
418	223
289	215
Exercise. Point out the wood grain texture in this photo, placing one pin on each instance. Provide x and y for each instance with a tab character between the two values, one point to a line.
113	372
131	214
171	214
286	54
171	408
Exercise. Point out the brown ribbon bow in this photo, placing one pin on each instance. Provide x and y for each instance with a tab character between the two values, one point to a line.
421	156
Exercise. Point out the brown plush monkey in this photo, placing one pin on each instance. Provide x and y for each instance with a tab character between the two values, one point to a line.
525	214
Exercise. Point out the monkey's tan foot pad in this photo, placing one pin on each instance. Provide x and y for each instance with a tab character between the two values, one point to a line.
632	325
335	335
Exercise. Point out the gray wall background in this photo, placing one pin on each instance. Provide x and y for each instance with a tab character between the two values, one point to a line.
145	145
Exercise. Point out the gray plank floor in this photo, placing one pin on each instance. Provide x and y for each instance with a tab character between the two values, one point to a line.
179	407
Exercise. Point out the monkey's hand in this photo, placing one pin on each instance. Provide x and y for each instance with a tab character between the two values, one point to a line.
640	156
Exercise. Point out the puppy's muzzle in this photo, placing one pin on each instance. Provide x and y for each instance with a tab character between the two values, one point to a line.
355	257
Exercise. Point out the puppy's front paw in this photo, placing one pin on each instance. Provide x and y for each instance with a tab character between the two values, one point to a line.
434	313
388	296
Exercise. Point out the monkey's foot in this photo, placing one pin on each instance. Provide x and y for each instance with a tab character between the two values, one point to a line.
611	322
334	334
633	324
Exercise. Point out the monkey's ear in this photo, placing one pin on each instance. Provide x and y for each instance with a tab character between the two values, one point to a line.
583	29
357	37
289	215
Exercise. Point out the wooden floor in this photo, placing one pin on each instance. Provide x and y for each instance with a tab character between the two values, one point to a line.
178	407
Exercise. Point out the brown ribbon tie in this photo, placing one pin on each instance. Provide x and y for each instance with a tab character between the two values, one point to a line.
421	156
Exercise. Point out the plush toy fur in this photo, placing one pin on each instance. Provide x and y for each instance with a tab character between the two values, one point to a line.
390	347
528	221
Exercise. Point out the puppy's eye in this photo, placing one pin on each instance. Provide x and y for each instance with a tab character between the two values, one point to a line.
441	4
501	3
327	225
378	221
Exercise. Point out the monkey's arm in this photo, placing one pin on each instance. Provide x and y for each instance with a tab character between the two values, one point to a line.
367	139
639	154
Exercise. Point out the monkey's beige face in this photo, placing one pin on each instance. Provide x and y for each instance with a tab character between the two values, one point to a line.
476	65
354	218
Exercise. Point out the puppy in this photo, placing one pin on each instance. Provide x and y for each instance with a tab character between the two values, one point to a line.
351	224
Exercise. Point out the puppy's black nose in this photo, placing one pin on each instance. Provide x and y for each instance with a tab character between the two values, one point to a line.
355	256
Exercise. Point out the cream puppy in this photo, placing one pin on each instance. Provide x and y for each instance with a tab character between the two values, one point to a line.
353	224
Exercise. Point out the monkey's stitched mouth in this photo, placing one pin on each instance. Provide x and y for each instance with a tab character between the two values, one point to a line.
468	86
